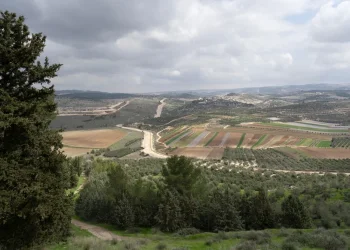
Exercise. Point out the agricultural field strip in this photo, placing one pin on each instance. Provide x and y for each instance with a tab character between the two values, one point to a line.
241	140
179	137
224	139
284	125
261	140
199	138
323	124
313	126
212	138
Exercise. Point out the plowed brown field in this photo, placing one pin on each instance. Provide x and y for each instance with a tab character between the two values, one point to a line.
326	153
102	138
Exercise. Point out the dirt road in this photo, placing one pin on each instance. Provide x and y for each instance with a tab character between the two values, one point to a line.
97	231
148	143
160	108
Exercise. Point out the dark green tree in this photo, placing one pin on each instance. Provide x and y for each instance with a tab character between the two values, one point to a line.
170	217
220	212
294	214
33	205
257	212
180	174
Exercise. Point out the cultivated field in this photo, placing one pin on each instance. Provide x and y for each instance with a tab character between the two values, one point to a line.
206	143
101	138
81	142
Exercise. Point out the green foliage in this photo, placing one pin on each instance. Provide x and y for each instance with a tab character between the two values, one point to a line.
294	214
180	174
241	140
33	177
120	152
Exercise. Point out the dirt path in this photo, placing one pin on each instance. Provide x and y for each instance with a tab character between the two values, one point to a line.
148	143
160	108
126	104
97	231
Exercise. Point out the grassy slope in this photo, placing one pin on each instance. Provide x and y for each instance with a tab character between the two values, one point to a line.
149	240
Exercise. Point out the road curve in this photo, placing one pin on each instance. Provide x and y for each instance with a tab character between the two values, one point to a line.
147	143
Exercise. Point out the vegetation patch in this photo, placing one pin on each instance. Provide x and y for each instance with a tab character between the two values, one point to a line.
324	144
211	139
241	140
260	141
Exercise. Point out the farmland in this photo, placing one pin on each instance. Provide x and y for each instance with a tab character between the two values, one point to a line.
199	140
80	142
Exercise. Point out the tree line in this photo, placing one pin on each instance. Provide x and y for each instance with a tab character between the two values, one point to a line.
179	199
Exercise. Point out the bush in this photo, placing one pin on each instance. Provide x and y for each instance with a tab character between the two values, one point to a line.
260	237
187	231
320	238
289	246
246	245
283	232
222	236
161	246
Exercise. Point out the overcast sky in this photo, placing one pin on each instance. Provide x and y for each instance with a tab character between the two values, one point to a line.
160	45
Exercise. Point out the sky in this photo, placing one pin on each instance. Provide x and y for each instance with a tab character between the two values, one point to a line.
165	45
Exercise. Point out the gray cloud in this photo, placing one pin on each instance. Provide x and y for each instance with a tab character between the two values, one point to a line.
157	45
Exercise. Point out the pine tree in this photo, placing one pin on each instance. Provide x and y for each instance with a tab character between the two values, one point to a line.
169	216
294	214
180	174
33	205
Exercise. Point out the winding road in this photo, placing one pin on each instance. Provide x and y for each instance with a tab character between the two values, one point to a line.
147	143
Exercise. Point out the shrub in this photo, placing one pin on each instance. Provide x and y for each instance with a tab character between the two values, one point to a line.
187	231
260	237
289	246
161	246
222	236
246	245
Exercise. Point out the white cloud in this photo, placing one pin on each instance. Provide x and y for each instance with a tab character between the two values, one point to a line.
141	46
332	23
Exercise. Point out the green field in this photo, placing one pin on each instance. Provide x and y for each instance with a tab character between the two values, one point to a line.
261	140
324	144
283	125
241	140
132	135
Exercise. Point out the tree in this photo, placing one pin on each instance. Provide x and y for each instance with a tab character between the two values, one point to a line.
180	174
170	217
221	213
257	212
33	205
294	214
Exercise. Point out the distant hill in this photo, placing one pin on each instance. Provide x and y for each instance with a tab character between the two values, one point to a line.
92	95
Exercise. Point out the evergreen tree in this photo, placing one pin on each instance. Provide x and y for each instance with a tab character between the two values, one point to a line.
180	174
169	216
33	205
220	212
294	214
261	215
